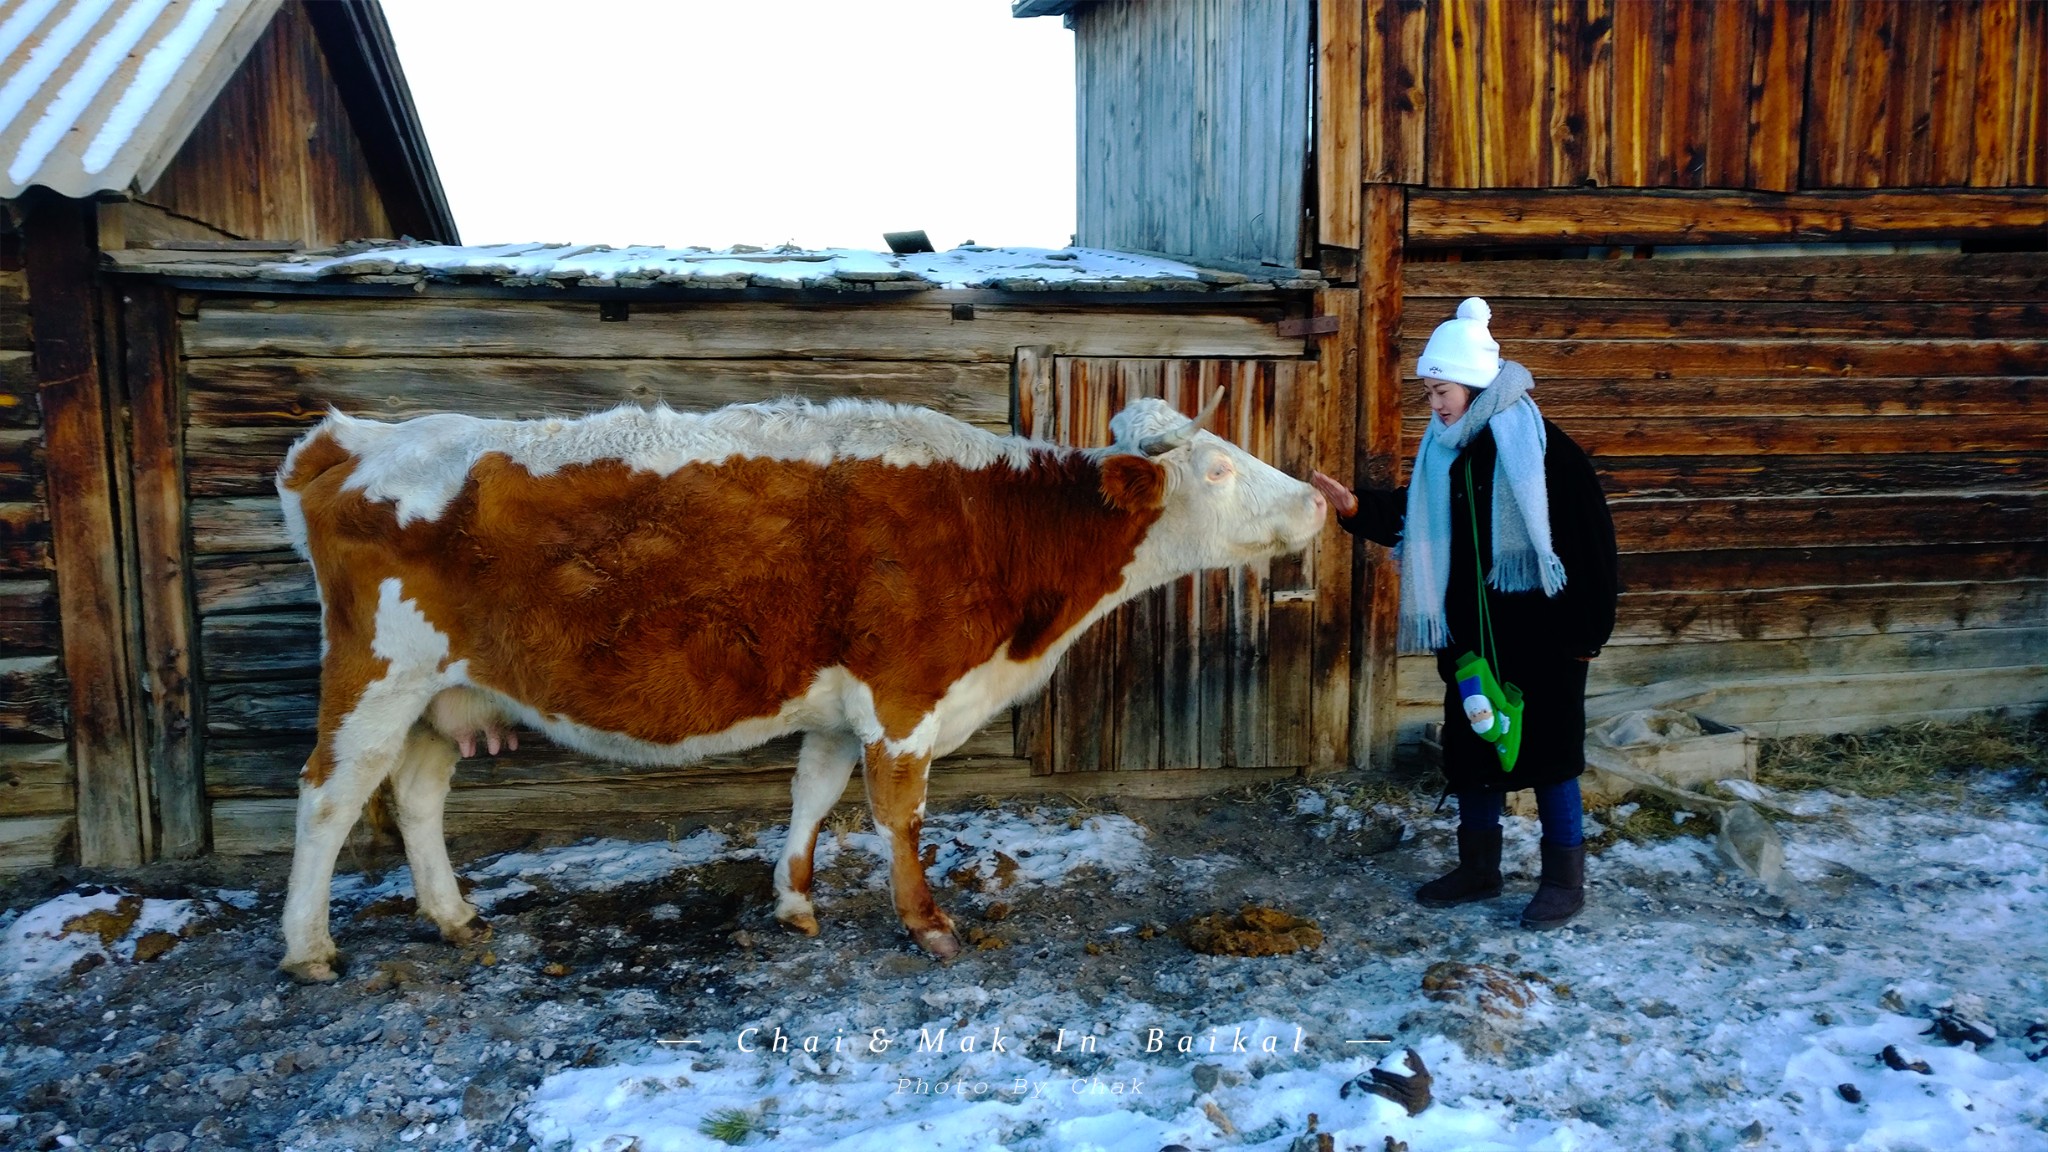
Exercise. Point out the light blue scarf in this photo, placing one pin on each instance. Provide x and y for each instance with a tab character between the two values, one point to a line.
1522	555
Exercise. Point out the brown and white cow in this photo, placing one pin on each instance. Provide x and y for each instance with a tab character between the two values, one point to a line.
658	586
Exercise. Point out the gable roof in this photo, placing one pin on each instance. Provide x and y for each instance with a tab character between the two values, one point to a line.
99	95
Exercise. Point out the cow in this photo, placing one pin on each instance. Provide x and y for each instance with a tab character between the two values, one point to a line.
653	586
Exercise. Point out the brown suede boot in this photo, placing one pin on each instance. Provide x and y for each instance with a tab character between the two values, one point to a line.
1562	890
1477	876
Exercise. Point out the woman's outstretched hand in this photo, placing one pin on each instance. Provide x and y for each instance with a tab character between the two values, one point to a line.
1341	499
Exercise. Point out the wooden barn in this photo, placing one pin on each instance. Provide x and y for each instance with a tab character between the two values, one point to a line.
1777	263
159	130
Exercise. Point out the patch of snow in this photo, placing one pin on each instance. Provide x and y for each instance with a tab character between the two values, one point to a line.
966	267
35	947
604	864
1690	1024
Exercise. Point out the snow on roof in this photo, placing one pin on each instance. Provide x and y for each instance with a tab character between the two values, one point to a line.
969	266
98	95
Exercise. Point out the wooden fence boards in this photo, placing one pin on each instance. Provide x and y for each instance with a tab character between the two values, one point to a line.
256	374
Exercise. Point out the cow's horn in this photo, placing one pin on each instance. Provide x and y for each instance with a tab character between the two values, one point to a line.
1167	441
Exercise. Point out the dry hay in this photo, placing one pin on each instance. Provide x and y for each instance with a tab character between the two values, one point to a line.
1252	931
1921	757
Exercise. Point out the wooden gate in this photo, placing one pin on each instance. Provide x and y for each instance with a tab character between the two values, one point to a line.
1214	670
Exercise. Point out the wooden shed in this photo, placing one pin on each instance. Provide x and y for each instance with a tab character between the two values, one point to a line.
156	129
1778	264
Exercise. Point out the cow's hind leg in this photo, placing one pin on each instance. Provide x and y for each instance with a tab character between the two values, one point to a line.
420	786
345	768
896	792
822	770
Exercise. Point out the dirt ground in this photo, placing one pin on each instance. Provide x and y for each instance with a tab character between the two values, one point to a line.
421	1044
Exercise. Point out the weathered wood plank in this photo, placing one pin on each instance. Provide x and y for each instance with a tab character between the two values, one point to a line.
1622	437
18	407
1454	218
1809	435
252	583
519	328
243	766
35	780
1831	474
1664	525
21	464
1778	78
237	524
28	617
34	696
1651	617
1526	319
298	391
1340	34
1994	278
1636	665
24	539
1334	403
1996	95
1452	156
60	257
244	827
1922	659
1376	463
1569	398
260	645
156	466
1783	357
1816	567
36	842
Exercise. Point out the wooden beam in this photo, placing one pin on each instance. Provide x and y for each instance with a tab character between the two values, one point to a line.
157	475
1375	591
1340	35
1462	219
1337	382
60	253
242	827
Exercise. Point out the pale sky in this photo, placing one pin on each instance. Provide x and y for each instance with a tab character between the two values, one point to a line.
745	121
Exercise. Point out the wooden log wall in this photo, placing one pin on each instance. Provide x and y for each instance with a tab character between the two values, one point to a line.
1772	95
1828	475
259	372
37	792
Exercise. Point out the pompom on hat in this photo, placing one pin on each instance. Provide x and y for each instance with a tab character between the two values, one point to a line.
1461	350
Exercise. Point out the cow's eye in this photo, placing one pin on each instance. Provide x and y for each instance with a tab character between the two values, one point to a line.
1220	470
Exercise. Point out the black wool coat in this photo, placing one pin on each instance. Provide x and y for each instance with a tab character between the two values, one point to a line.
1538	638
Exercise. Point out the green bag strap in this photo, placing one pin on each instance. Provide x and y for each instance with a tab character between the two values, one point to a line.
1486	646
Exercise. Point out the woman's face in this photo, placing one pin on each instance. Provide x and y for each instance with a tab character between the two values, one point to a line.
1447	400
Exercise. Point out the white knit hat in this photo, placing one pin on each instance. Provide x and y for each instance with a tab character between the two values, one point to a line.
1462	350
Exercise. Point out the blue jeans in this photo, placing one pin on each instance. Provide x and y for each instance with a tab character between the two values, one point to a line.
1559	806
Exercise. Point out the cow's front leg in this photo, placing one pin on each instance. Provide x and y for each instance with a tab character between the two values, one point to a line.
896	790
822	769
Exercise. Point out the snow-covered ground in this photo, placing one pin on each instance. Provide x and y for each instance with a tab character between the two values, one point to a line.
1687	1008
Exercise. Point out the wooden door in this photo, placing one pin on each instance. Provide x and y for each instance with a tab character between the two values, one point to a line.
1212	670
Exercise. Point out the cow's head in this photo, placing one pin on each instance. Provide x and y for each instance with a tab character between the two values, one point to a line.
1219	505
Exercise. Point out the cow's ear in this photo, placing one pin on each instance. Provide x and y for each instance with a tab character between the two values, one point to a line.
1133	483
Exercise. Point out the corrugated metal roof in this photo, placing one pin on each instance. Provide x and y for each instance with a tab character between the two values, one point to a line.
98	95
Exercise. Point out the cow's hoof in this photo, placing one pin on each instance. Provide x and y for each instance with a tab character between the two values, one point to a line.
940	943
803	922
314	971
475	930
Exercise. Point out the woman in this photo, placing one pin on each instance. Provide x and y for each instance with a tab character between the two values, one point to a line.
1494	480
